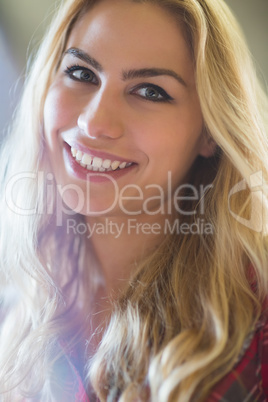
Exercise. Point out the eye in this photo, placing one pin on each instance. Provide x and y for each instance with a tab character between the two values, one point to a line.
152	92
82	74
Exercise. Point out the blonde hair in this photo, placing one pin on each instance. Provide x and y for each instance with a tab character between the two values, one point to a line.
182	322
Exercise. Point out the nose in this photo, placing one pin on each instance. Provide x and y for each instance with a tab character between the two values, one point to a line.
101	117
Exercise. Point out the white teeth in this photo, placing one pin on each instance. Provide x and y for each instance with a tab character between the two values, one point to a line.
123	165
97	164
115	165
87	159
74	151
106	163
79	156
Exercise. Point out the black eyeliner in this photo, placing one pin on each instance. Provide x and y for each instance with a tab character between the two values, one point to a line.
161	91
76	67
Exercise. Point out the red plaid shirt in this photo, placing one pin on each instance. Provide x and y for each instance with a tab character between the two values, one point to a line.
247	382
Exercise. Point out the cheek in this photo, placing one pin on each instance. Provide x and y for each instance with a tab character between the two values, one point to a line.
59	113
172	145
176	128
172	142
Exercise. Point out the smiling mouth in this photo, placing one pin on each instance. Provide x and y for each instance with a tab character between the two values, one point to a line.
96	164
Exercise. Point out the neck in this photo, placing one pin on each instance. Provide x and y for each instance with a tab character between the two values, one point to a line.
119	243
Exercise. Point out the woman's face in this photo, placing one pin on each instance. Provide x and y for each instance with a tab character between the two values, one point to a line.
124	101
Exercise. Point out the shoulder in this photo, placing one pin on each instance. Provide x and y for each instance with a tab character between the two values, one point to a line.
248	380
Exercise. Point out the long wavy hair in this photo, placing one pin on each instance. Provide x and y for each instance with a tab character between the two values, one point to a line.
181	323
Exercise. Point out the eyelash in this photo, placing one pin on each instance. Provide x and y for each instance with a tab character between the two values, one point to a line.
147	85
70	70
165	97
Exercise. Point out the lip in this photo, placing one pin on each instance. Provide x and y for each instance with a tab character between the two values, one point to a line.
99	154
75	169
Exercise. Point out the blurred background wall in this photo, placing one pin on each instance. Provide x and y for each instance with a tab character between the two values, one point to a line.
23	22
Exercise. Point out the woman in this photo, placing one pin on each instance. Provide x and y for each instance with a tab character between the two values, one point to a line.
134	176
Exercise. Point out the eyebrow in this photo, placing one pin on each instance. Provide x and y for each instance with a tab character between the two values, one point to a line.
152	72
80	54
127	75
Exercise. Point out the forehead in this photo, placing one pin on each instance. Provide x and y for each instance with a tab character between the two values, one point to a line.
142	32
